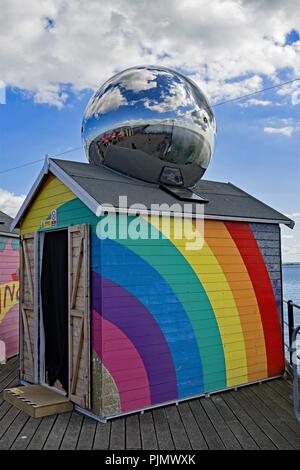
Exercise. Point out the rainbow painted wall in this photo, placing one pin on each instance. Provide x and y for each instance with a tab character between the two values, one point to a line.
169	323
9	296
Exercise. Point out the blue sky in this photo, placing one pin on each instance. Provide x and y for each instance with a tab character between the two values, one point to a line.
230	50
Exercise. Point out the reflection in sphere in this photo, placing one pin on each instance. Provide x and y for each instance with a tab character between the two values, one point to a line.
150	123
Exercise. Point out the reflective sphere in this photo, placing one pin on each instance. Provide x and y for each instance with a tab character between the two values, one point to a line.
150	123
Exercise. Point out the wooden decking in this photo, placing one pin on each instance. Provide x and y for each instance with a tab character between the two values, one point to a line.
256	417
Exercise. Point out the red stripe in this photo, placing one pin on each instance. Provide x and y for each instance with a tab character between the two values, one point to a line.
264	293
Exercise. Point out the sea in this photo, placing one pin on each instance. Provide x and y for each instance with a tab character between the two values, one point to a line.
291	291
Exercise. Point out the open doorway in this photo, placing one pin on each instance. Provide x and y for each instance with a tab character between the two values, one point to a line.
54	299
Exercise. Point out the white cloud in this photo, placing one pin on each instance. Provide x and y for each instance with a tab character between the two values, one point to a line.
222	43
290	253
176	98
284	126
110	101
255	102
137	82
219	90
286	131
291	240
50	93
10	203
294	216
292	90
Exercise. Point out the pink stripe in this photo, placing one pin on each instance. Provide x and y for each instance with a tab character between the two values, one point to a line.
127	369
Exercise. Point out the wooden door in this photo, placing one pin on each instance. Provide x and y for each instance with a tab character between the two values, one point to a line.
79	315
28	331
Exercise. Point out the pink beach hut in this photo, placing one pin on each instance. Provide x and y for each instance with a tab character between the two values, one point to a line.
9	289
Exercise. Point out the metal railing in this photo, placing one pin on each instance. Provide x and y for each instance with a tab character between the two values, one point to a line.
293	351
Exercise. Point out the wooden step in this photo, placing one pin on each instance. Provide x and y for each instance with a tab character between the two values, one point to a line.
37	401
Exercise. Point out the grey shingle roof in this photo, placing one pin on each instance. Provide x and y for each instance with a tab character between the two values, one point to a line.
225	199
5	222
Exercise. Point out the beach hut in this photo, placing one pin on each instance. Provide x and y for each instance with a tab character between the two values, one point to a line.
121	314
9	289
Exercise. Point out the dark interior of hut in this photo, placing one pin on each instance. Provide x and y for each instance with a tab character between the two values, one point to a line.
54	286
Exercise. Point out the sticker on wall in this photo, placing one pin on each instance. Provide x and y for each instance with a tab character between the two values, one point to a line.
51	221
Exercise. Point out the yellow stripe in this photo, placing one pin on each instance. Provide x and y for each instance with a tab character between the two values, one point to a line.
225	309
51	196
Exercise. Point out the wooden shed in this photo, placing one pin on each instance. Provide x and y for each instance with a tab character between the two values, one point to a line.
125	323
9	289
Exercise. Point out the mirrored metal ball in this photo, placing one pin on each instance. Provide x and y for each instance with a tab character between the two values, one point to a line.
151	123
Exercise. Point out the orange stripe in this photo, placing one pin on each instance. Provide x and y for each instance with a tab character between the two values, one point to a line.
244	295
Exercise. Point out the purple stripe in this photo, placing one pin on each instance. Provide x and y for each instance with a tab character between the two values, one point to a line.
146	336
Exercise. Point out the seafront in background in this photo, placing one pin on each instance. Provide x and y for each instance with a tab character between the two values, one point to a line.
291	290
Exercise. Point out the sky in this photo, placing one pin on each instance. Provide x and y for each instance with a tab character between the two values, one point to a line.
54	54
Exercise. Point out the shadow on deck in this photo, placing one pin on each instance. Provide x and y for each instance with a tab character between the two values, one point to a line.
255	417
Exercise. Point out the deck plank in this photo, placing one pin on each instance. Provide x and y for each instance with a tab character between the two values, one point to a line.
225	433
253	429
211	436
4	407
236	427
163	433
6	369
102	436
283	389
269	429
25	436
194	434
282	403
87	434
11	380
280	407
279	422
57	432
254	417
8	419
9	437
71	436
133	435
117	434
280	384
149	441
180	438
38	440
